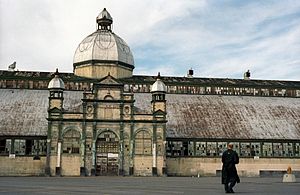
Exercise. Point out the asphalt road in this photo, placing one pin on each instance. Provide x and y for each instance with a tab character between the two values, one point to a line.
141	185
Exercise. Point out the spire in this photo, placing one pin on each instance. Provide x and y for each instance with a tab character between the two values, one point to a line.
104	20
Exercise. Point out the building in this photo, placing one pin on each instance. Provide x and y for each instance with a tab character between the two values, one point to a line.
103	120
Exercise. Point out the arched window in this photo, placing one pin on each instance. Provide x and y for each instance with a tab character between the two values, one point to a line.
143	143
71	142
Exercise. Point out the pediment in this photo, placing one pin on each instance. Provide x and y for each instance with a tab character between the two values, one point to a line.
55	109
109	80
159	112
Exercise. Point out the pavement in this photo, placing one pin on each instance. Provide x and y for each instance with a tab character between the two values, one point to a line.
142	185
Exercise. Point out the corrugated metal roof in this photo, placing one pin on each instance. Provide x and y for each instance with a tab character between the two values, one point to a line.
24	112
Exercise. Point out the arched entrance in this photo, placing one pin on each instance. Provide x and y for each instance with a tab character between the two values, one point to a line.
143	157
107	155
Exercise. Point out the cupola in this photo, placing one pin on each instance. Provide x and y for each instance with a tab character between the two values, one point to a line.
103	51
56	82
158	86
104	20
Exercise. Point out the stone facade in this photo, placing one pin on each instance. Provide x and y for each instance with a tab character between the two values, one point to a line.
22	166
108	137
248	167
101	70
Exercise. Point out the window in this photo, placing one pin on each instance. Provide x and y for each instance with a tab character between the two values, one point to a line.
222	146
5	145
267	149
245	149
71	142
255	149
190	148
277	149
297	149
19	146
143	143
107	143
287	149
175	148
200	148
211	149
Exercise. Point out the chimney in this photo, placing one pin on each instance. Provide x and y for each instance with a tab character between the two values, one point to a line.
247	75
190	73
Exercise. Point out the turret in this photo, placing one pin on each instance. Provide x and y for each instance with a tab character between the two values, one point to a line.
56	87
158	91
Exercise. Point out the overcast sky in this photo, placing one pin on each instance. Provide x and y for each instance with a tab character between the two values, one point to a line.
216	38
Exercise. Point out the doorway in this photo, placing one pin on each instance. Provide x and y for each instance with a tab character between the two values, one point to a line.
107	156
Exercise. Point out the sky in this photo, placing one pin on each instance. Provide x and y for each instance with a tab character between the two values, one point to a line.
216	38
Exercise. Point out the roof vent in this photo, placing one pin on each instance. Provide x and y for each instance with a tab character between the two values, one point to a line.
247	75
12	66
190	73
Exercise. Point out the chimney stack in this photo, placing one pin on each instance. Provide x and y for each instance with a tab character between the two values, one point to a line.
247	75
190	73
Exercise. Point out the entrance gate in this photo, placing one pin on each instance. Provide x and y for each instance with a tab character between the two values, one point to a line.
107	154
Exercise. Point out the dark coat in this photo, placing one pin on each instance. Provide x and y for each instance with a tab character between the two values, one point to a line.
229	173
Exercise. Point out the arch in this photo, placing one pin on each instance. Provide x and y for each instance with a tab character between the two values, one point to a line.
71	141
108	97
71	128
107	152
143	142
101	131
142	129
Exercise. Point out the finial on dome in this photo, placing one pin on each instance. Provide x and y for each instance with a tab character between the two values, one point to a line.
56	82
104	20
159	85
56	72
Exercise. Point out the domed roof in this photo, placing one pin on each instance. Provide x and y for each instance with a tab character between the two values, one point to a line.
158	86
103	46
56	82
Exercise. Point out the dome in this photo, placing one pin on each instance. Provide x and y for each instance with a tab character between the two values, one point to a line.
56	82
158	86
103	51
103	46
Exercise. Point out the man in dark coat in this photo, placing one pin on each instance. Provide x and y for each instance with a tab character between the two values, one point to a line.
229	172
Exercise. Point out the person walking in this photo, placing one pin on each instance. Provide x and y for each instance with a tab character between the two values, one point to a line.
229	173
